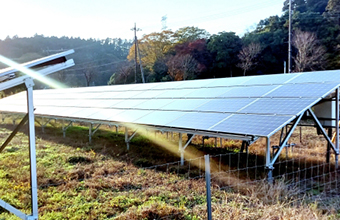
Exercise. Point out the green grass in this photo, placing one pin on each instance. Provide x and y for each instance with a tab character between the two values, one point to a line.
105	181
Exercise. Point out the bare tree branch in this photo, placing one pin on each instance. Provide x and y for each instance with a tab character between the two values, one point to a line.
247	56
310	54
182	67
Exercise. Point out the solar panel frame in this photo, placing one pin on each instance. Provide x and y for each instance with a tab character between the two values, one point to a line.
255	99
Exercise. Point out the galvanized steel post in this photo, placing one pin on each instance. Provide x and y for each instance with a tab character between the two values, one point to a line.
269	167
180	148
207	181
33	162
127	139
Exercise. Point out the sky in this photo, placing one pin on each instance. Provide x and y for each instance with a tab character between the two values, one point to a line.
100	19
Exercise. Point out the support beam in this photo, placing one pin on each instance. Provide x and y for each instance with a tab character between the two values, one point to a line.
317	122
180	148
33	162
127	138
14	132
43	124
285	140
91	131
66	127
188	142
269	166
328	153
208	187
12	209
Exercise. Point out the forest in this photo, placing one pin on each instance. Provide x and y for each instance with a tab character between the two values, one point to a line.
192	53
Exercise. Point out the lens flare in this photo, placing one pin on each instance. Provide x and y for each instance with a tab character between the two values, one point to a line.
35	75
164	143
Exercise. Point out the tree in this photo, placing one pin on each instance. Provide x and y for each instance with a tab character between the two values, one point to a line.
189	34
88	73
198	50
182	67
332	12
124	74
157	48
247	56
318	6
153	47
310	54
224	47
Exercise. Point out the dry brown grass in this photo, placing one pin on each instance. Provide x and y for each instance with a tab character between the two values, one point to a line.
106	183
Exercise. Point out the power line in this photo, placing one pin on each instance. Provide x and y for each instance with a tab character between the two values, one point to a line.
106	64
229	13
137	50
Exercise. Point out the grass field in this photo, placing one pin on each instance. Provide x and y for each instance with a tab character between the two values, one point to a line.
105	181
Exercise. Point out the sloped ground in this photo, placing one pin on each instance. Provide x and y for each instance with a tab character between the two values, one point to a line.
105	181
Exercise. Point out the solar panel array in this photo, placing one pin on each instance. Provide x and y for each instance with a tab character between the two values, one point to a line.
255	105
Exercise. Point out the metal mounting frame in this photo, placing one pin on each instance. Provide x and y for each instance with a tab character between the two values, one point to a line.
127	138
270	160
91	131
182	148
52	64
64	128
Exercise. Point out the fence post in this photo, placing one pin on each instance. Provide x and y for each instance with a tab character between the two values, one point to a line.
207	180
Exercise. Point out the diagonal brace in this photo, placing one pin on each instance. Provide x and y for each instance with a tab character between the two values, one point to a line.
13	210
127	138
91	131
15	131
44	124
336	151
188	142
284	142
66	127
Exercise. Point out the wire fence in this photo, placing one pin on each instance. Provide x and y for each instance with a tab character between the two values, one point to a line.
236	170
231	172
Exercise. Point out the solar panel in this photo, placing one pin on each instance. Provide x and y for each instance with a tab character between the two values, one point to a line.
129	115
277	106
207	92
317	77
255	105
154	104
248	91
160	118
270	79
184	104
190	121
225	105
303	90
257	125
99	114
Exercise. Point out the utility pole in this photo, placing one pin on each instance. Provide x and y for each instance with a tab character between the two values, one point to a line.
136	64
140	61
290	38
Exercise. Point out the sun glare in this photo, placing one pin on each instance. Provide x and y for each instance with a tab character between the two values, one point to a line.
35	75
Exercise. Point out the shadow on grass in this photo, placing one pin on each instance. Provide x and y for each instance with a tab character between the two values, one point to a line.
144	153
